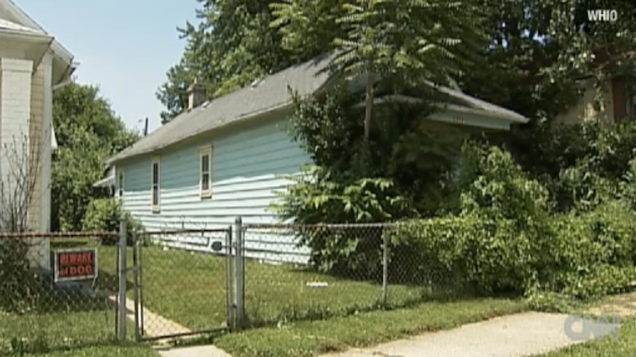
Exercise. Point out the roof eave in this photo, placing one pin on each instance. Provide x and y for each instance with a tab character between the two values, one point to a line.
59	51
513	117
122	155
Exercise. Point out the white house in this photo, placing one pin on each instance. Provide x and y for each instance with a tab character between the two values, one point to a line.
32	64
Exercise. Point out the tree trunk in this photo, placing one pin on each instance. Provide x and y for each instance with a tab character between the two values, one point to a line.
368	107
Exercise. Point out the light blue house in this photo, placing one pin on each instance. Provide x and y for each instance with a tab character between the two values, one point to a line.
223	158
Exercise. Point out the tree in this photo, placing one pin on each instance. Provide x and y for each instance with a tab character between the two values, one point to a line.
411	40
88	133
232	45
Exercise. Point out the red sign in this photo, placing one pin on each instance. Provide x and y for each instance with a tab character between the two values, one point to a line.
80	264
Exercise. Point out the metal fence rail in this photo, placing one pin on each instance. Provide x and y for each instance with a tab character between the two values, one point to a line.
57	290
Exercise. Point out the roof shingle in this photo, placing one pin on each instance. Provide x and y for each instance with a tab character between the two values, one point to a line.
265	95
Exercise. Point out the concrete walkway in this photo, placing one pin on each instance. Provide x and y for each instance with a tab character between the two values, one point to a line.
517	335
154	325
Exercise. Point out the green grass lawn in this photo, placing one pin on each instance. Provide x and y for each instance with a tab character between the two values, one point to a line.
104	351
625	346
190	288
311	338
60	318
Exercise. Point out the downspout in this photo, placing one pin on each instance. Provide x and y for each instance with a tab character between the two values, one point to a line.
60	85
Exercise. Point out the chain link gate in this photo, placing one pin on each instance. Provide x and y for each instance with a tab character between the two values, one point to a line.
183	283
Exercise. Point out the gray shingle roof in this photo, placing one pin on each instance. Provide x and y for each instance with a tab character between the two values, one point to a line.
268	94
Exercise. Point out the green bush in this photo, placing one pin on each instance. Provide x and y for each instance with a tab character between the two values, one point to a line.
105	214
578	163
578	257
504	239
595	252
316	198
20	286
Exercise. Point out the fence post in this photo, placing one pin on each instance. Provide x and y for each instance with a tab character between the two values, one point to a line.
239	274
121	306
136	287
385	268
230	278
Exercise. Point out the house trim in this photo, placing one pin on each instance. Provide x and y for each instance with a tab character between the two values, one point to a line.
203	151
47	127
59	51
155	207
121	179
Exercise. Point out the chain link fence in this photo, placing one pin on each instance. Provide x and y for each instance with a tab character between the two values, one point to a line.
182	282
57	290
340	269
63	290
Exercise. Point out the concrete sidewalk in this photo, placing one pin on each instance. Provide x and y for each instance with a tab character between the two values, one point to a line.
517	335
508	336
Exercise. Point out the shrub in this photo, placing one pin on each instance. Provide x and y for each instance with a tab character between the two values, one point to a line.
595	252
105	214
20	286
574	160
578	257
505	241
317	198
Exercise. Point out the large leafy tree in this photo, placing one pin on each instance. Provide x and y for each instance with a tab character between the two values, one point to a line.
232	45
401	39
88	132
538	49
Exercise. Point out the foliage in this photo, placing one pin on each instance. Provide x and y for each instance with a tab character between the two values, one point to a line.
415	155
88	133
581	164
105	215
231	46
316	197
494	242
506	240
398	172
409	40
595	252
20	286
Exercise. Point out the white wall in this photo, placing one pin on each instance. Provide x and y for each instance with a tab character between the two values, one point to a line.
15	109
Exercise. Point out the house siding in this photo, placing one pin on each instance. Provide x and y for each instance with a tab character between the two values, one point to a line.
246	165
40	143
21	116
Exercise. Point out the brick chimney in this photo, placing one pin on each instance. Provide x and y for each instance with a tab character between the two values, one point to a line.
196	95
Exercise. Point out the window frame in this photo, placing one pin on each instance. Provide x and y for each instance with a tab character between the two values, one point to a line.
155	206
205	151
121	177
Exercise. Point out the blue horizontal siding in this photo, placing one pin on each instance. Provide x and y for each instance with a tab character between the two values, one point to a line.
246	165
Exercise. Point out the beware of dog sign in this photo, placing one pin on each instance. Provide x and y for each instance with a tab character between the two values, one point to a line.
75	264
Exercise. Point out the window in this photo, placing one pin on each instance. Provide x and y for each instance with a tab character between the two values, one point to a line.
156	189
205	171
120	184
